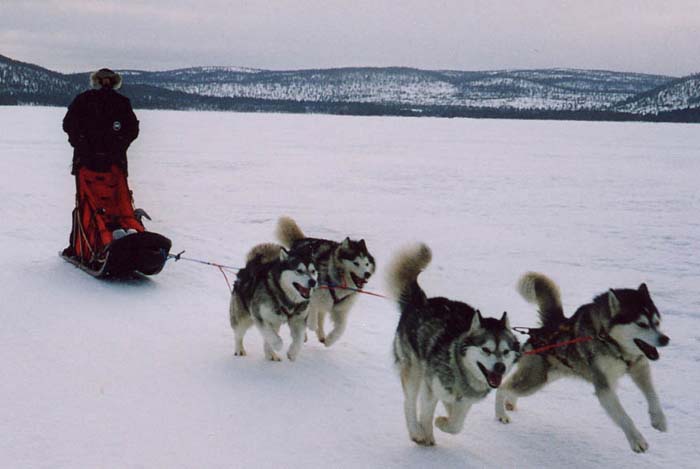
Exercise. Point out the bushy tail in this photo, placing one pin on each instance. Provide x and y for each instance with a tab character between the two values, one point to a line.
256	264
264	253
402	275
288	231
539	289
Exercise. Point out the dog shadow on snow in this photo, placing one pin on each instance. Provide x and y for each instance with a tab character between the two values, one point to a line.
316	371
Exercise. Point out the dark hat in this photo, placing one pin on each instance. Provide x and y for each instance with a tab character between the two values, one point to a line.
114	78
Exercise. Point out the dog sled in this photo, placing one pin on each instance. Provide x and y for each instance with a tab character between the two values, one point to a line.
108	238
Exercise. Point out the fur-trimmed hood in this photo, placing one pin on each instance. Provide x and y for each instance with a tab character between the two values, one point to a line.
114	77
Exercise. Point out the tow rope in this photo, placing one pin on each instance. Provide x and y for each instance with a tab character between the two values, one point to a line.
544	348
231	269
222	268
344	286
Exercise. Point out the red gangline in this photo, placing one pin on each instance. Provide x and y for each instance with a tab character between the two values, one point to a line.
558	344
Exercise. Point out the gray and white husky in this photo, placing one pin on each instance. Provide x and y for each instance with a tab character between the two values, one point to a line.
445	350
343	267
618	333
274	287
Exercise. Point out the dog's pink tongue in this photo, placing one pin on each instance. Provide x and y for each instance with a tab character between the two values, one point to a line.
494	379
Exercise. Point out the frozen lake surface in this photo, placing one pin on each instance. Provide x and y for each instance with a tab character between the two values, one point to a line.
142	373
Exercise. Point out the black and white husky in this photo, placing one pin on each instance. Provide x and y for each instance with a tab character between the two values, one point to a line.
274	287
614	335
343	267
445	351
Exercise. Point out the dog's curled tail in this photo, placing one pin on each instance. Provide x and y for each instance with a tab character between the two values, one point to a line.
288	231
263	253
402	275
539	289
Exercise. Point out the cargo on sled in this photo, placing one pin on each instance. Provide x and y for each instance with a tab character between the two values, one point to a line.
108	238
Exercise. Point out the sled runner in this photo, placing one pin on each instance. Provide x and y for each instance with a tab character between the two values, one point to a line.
108	238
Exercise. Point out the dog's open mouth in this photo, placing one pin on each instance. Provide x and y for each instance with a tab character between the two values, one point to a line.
494	378
648	350
303	291
359	282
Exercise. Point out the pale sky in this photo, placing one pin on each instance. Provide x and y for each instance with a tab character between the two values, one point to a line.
660	36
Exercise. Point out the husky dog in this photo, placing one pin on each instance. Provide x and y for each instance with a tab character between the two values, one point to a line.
274	287
445	351
618	333
343	268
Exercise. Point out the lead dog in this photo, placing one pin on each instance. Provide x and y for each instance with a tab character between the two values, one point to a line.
623	328
444	350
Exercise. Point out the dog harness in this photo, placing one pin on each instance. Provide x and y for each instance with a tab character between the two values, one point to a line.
289	308
331	285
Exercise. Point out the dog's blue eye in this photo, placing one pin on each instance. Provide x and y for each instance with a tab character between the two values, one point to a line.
505	352
357	264
486	350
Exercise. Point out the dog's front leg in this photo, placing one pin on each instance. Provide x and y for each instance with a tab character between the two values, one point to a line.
272	340
641	375
611	403
456	413
312	317
339	315
339	324
320	320
297	326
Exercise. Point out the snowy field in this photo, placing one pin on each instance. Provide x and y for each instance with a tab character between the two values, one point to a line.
99	374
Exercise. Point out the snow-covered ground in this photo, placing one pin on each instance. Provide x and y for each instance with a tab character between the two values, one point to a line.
142	373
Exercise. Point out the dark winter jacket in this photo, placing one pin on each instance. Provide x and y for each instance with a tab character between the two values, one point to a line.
100	125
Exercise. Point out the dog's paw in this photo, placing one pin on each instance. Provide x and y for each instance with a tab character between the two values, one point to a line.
638	443
330	340
240	353
292	355
273	357
658	421
424	441
443	423
420	436
503	417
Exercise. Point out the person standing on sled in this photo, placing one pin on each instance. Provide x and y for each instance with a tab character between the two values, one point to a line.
101	125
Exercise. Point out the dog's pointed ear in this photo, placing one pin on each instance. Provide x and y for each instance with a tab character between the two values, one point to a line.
284	254
504	320
362	244
476	321
613	303
346	243
644	290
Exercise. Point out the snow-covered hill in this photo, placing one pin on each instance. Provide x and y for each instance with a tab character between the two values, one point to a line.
141	374
551	93
30	84
519	89
683	93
